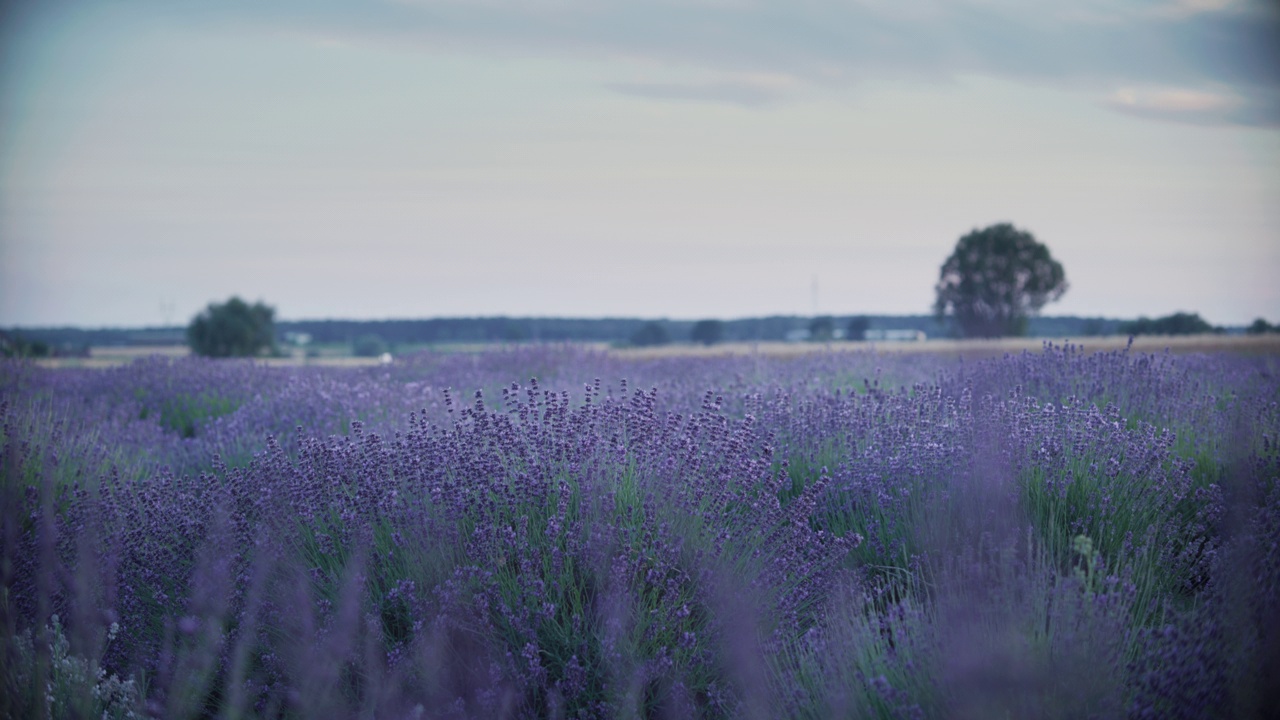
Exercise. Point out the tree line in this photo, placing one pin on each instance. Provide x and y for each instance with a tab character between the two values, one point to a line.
994	284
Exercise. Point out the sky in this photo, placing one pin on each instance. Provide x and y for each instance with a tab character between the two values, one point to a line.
657	158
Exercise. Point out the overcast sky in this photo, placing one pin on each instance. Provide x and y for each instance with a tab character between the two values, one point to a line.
588	158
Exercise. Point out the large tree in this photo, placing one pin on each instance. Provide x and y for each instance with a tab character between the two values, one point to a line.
233	329
996	278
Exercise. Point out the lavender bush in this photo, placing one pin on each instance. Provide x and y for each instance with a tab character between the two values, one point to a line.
553	532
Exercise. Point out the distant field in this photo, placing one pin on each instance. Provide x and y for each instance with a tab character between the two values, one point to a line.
1245	344
102	357
329	355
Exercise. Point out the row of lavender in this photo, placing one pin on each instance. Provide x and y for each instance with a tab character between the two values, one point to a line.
840	535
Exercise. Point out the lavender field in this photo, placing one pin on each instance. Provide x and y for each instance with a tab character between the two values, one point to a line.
561	533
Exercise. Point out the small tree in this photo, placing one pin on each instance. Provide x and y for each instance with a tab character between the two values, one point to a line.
17	346
707	332
1260	327
857	328
233	329
1093	327
1180	323
651	333
995	279
370	345
822	328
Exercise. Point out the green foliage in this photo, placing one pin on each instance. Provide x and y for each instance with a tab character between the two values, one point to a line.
233	329
822	328
857	328
368	346
1261	327
1087	567
1093	327
995	280
1180	323
990	615
513	331
707	332
649	334
73	686
1066	505
874	674
18	346
185	414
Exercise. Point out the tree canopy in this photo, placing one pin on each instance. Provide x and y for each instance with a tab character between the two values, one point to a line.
857	328
707	332
822	328
369	345
1180	323
995	279
233	329
1260	326
651	333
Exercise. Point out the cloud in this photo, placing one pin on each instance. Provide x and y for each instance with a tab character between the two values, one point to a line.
1173	103
1230	44
1200	107
1192	7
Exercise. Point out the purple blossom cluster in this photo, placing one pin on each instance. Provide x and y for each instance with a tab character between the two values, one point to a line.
832	535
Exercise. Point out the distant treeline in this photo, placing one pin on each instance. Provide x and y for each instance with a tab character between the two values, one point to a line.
69	340
505	329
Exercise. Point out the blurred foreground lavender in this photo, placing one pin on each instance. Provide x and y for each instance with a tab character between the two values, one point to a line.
1054	534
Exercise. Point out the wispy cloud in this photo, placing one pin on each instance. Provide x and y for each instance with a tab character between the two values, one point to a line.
1199	107
1192	7
1172	102
1231	44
